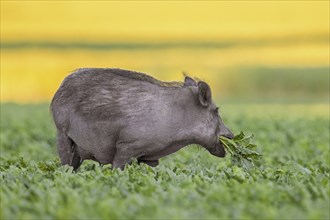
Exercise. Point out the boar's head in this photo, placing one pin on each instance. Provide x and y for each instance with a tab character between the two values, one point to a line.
208	125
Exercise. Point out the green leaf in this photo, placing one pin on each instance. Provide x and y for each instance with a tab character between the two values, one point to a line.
242	151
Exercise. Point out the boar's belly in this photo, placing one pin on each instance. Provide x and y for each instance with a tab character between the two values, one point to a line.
164	152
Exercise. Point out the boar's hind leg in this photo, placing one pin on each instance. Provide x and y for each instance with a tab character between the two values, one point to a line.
64	145
75	157
152	163
68	151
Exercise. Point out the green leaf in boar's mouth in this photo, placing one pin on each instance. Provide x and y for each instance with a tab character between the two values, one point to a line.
241	150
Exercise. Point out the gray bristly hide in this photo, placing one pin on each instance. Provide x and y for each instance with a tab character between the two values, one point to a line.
114	115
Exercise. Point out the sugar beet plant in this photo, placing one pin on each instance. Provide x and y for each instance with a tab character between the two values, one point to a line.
290	181
241	150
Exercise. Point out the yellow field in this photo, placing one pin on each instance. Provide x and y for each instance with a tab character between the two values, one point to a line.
89	20
265	34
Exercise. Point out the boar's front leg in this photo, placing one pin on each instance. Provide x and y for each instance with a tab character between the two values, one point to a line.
152	163
125	152
121	159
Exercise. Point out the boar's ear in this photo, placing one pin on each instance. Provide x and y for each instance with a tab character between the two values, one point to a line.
189	81
204	92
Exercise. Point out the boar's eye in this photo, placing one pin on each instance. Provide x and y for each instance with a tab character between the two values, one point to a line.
216	111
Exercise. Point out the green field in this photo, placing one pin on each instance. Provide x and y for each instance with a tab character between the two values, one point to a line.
291	181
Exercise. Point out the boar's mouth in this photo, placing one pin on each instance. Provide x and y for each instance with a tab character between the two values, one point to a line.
218	150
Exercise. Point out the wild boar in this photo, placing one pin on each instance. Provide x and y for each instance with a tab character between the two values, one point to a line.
114	115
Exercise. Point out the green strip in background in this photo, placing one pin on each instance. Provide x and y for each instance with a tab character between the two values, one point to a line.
154	44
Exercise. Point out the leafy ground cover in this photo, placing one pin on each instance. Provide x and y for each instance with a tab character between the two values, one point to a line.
242	152
291	180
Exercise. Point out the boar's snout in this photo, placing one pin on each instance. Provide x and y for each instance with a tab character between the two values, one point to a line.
225	132
219	149
228	135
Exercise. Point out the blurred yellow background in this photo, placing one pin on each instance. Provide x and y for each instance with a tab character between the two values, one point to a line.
252	51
